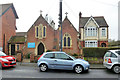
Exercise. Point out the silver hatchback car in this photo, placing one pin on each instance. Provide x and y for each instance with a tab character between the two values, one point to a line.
112	60
61	60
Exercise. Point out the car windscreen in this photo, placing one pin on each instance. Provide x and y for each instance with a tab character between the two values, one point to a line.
118	52
2	54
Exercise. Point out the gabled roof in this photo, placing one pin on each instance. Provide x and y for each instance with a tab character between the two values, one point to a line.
99	19
66	18
21	33
40	17
5	7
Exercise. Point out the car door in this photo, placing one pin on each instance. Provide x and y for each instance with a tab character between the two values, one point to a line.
114	58
49	58
63	61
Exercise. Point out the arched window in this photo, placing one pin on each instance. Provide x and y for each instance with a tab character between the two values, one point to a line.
67	41
44	31
37	32
40	31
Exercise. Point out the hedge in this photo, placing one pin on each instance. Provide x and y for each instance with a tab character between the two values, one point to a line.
97	52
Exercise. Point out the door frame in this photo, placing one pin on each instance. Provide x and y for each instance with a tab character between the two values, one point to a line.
36	48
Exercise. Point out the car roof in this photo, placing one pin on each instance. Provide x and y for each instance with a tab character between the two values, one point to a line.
55	52
114	51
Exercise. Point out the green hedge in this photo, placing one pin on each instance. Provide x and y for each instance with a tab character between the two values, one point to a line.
96	52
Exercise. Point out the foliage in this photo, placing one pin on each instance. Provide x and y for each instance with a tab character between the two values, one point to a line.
28	55
74	54
49	51
96	52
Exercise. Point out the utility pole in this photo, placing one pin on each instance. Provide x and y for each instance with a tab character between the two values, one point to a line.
60	24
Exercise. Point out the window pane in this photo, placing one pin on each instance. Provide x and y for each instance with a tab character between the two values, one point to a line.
113	55
37	32
44	32
61	56
69	41
118	52
64	41
17	47
50	55
107	54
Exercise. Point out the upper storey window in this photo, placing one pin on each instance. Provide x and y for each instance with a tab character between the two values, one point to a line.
90	31
40	31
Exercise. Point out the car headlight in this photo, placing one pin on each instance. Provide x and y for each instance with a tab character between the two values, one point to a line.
4	59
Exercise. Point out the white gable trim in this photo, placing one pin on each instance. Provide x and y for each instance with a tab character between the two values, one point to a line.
93	21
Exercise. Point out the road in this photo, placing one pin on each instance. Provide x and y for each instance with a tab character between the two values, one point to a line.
33	72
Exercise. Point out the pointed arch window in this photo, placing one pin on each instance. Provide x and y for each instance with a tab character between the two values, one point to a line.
67	40
37	32
40	31
44	31
64	41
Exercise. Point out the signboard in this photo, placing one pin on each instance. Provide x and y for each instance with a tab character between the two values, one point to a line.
31	45
1	48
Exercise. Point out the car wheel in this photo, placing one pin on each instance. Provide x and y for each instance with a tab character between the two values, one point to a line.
43	67
78	69
116	69
0	66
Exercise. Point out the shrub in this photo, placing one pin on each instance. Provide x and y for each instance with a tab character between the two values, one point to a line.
49	51
28	55
96	52
74	54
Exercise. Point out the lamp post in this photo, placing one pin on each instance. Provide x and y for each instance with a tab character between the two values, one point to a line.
60	24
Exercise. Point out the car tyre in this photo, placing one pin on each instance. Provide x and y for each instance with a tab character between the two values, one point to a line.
43	67
78	69
0	66
116	69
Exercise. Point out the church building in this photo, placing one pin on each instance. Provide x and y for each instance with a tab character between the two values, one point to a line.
42	36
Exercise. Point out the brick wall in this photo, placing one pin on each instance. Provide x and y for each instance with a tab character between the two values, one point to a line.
8	27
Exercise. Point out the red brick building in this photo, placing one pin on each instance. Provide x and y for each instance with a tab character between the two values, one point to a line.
42	37
8	28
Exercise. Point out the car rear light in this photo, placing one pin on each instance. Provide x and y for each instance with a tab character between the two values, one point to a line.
109	60
40	56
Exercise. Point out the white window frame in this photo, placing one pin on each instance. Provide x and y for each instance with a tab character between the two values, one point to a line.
91	43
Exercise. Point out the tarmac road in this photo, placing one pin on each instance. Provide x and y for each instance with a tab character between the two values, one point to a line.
33	72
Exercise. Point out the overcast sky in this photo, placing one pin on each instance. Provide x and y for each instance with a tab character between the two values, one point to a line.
29	10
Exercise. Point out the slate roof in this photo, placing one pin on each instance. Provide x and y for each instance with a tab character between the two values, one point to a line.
5	7
17	39
21	33
99	19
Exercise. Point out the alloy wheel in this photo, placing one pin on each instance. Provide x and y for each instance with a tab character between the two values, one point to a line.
116	69
78	69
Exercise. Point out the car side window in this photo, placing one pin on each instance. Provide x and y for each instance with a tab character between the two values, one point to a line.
62	56
50	55
107	54
113	55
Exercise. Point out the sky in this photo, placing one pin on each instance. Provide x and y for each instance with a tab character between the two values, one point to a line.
29	10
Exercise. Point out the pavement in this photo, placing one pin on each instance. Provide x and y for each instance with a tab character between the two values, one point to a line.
92	66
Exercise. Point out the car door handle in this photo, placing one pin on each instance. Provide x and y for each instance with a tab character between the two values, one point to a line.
55	60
